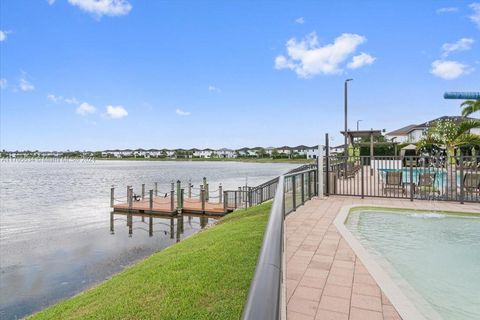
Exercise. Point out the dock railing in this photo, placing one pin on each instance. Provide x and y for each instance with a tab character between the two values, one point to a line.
265	298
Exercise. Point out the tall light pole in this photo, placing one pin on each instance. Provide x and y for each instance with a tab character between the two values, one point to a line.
358	127
346	116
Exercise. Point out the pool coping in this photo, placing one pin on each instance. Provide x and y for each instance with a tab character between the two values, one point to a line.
404	306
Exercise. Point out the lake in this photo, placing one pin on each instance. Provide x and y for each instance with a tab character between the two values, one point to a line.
55	238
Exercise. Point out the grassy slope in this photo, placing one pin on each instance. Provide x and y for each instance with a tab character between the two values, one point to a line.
206	276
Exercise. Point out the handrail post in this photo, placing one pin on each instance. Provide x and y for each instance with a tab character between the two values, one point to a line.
302	188
294	196
309	185
151	201
235	194
327	165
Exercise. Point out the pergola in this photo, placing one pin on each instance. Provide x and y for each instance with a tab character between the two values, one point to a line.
351	135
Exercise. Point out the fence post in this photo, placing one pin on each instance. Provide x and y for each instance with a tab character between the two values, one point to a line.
462	191
327	165
156	189
411	179
151	201
112	197
220	193
202	198
294	197
302	188
225	201
240	195
319	181
249	194
235	192
262	190
362	177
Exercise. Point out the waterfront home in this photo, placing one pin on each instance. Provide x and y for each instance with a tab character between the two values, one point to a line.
203	153
414	132
225	153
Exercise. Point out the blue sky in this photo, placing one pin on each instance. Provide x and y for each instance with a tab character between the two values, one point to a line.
91	75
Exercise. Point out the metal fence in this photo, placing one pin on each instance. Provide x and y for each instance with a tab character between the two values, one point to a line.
290	191
425	178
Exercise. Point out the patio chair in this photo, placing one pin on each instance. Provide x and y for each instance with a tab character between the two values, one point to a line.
393	182
471	182
426	184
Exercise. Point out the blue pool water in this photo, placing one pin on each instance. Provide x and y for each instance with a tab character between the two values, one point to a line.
440	175
433	257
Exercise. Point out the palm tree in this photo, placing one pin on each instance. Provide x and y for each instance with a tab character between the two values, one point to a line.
470	107
451	135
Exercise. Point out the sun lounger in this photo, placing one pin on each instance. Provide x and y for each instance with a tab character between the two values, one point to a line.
426	184
393	182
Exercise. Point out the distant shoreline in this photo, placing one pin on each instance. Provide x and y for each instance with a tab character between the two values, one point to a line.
253	160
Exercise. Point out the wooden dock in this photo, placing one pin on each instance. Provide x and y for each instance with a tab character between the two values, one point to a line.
162	206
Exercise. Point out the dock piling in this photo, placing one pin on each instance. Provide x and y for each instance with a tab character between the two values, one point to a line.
143	191
179	197
220	193
156	189
202	198
151	201
112	196
189	189
172	201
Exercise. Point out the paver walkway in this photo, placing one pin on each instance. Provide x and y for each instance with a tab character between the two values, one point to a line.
325	279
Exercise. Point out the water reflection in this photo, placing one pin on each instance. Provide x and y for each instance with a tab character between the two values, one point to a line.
157	223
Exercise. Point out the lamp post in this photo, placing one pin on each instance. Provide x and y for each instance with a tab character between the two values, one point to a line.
358	121
346	117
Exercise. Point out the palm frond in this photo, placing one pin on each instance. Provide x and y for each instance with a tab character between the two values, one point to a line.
470	107
429	141
467	139
466	125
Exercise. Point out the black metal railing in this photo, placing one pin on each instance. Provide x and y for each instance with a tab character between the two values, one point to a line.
291	191
415	177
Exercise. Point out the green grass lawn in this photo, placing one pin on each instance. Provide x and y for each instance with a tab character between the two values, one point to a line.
206	276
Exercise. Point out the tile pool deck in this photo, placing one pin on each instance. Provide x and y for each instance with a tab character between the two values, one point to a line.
325	279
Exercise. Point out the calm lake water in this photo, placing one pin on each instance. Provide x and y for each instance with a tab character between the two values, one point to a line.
55	238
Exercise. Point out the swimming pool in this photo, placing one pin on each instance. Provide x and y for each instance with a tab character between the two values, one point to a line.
432	257
440	175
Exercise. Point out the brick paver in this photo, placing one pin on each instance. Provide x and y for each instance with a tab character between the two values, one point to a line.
325	279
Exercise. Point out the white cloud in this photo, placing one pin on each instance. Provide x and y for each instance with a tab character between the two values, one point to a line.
25	85
300	20
54	98
475	17
461	45
3	35
3	83
449	69
58	99
180	112
103	7
116	112
84	109
51	2
212	88
307	58
363	59
447	10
